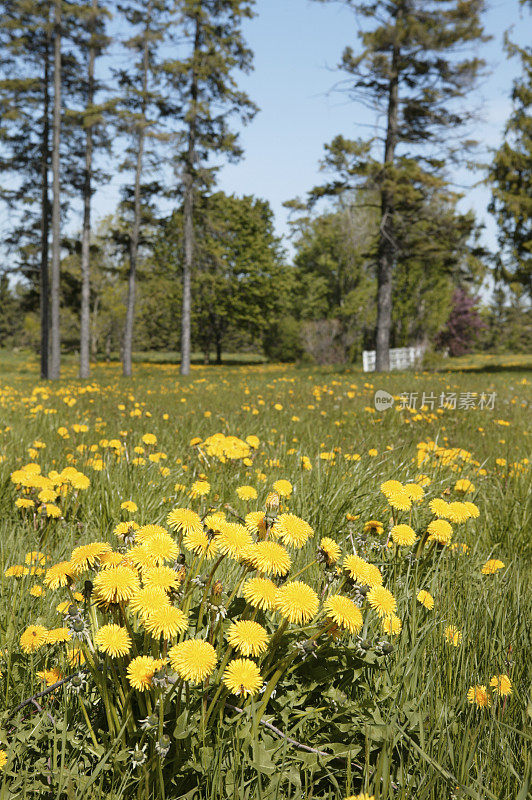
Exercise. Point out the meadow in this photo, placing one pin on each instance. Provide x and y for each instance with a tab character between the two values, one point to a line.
249	583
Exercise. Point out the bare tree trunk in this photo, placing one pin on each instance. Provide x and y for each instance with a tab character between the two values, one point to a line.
84	344
188	214
45	219
93	334
386	246
55	350
134	240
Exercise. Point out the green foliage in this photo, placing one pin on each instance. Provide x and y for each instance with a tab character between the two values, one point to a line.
282	340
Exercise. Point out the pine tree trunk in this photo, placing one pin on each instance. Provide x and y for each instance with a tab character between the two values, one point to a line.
218	342
127	350
386	247
84	345
45	220
188	214
55	349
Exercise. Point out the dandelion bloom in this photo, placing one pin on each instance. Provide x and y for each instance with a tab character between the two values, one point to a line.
113	640
439	507
146	532
199	489
292	530
148	600
297	602
115	585
161	547
164	577
392	625
283	488
129	505
403	535
242	677
373	576
479	696
414	491
58	636
246	493
452	635
33	638
361	796
472	509
199	543
382	601
330	549
344	613
457	512
3	759
425	599
464	485
492	566
50	676
139	557
501	684
193	660
269	557
255	523
166	621
260	593
248	637
373	526
59	575
16	571
87	556
440	531
233	539
185	520
141	670
356	567
149	438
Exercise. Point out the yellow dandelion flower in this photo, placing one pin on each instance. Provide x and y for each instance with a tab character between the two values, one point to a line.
87	556
129	505
382	601
115	585
149	438
400	500
233	539
248	637
163	577
452	635
141	670
464	485
457	512
392	625
36	557
199	489
361	796
425	599
193	660
37	590
479	696
75	657
373	576
33	638
161	547
260	593
373	526
113	640
344	613
292	530
50	676
125	528
148	600
16	571
296	602
472	509
492	566
403	535
269	557
330	549
199	543
242	677
59	575
501	685
439	531
58	636
415	492
146	532
166	621
283	488
185	521
255	523
246	493
439	507
357	568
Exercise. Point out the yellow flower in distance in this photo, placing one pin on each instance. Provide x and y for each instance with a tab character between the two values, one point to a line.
246	493
452	635
492	566
113	640
242	677
248	637
193	660
479	696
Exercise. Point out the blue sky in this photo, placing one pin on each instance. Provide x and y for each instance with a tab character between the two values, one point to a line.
297	44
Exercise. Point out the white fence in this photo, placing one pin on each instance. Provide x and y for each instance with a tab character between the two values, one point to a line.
400	358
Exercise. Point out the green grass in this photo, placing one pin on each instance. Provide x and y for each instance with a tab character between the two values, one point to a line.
400	725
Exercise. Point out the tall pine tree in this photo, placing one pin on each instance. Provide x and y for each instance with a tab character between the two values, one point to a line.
208	96
410	72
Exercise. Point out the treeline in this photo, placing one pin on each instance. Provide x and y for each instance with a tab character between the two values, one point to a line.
149	89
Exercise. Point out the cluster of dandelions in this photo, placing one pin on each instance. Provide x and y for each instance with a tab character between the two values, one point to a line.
481	696
47	495
149	618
